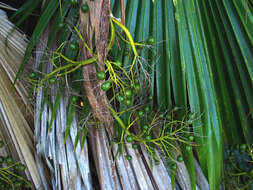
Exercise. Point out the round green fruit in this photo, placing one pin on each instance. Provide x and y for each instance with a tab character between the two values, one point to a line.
188	148
128	157
61	25
74	46
20	167
74	99
140	113
150	40
173	166
180	159
9	160
74	2
32	75
128	93
129	138
150	98
148	138
18	184
106	86
243	147
135	146
145	127
118	63
191	138
146	109
120	98
52	80
85	8
128	102
101	75
137	87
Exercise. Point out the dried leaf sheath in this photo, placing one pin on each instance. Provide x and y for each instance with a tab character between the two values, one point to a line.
89	24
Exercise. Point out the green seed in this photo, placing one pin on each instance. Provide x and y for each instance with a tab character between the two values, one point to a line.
74	99
128	102
28	184
191	138
18	184
150	40
129	138
148	138
20	167
106	86
118	63
120	98
85	8
128	93
61	25
73	2
180	159
137	87
145	127
101	75
52	80
173	166
140	113
243	147
73	46
32	75
150	98
146	109
128	157
188	148
9	160
135	146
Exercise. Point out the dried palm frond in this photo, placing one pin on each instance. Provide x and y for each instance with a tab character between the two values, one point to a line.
15	112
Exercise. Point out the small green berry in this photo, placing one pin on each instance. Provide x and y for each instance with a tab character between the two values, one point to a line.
137	87
32	75
106	86
101	75
20	167
128	157
168	117
243	147
120	98
118	63
61	25
52	80
135	146
148	138
73	2
85	8
188	148
129	138
9	160
180	159
191	138
176	108
145	127
74	46
128	102
150	40
28	184
128	93
150	98
74	99
18	184
146	109
140	113
173	166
